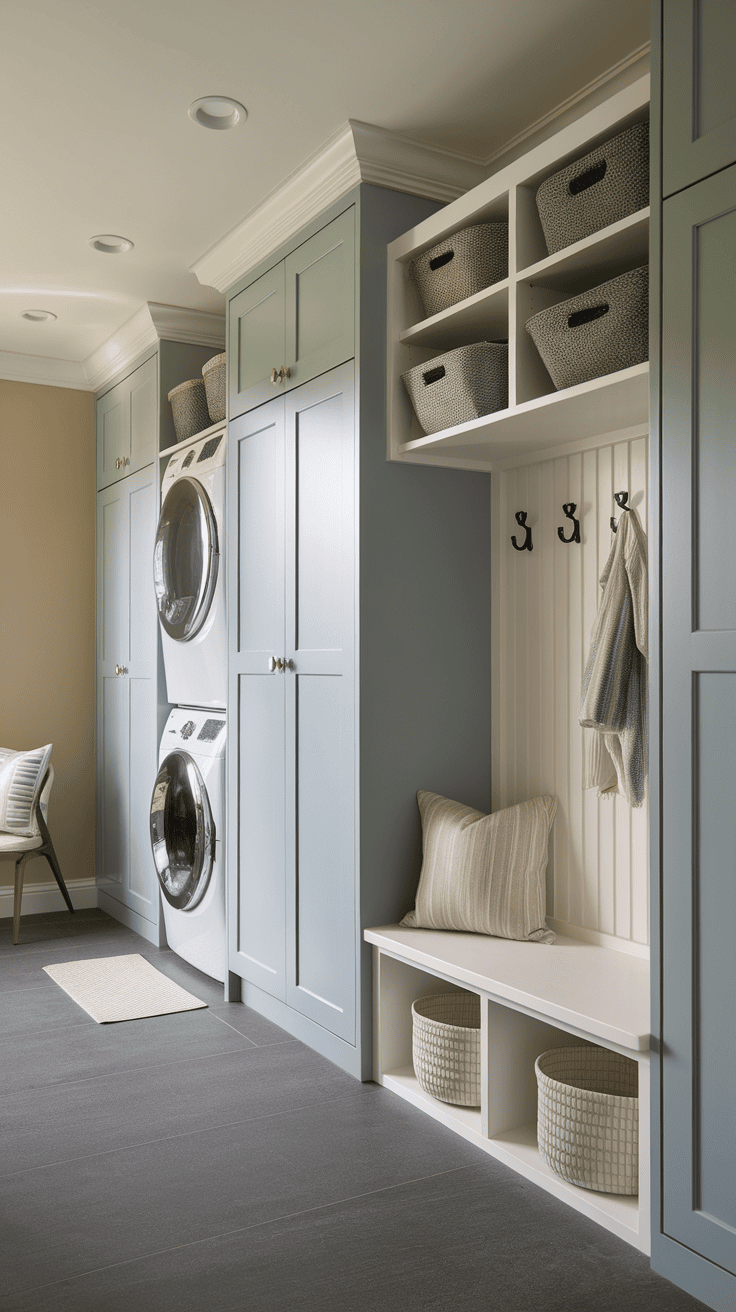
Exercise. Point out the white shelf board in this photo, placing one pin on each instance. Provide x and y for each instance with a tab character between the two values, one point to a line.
603	405
594	991
623	245
483	317
204	432
518	1149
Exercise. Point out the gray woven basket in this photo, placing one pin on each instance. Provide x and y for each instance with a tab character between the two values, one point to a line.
189	408
213	373
596	333
461	265
588	1117
446	1046
601	188
460	385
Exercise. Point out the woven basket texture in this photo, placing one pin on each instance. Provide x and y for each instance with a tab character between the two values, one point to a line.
461	265
588	1117
460	385
601	188
213	373
189	408
576	347
446	1046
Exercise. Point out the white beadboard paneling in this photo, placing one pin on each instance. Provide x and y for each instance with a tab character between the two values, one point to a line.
544	604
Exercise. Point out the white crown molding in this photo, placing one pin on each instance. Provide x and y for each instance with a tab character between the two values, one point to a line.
153	322
626	70
42	370
358	152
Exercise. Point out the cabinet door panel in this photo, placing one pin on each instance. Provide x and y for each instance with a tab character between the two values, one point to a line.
698	722
320	301
257	507
143	415
256	340
142	884
699	99
113	788
112	577
320	701
113	434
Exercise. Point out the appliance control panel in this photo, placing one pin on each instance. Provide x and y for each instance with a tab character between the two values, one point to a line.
197	456
199	732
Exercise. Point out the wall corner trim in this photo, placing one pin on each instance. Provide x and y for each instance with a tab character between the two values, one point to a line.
151	323
357	152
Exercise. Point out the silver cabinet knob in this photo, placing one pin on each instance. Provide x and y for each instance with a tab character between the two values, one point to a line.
275	664
118	463
280	375
289	665
121	669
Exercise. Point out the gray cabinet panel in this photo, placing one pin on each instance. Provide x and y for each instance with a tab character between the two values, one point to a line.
144	415
113	434
320	300
113	785
127	425
142	885
256	340
258	603
698	691
699	90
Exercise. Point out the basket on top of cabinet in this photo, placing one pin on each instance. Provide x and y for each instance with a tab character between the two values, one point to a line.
467	262
602	187
598	332
460	385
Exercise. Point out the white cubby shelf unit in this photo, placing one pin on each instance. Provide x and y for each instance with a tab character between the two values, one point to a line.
533	997
538	418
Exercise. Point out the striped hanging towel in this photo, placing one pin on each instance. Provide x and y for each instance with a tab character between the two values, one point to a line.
614	702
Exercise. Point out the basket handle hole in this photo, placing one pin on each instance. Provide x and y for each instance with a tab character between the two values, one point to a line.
433	375
587	316
439	260
587	179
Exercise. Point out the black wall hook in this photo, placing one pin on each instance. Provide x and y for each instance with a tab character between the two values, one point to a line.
526	545
620	498
569	509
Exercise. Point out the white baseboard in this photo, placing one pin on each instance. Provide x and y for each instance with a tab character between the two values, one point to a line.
47	897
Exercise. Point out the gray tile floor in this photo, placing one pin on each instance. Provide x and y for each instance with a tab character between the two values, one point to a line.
208	1161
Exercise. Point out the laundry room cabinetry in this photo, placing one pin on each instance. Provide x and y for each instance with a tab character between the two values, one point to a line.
698	89
131	689
358	668
296	317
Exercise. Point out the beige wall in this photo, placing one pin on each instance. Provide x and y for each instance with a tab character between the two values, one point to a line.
47	605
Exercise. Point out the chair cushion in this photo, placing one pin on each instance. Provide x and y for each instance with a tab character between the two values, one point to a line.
21	777
484	873
15	843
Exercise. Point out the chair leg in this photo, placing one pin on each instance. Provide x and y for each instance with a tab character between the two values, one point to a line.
50	854
19	875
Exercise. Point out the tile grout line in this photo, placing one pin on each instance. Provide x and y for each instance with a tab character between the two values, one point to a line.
243	1229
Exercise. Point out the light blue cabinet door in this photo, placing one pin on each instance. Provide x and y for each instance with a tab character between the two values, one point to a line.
256	753
127	425
143	385
126	697
699	90
256	341
319	286
698	907
320	701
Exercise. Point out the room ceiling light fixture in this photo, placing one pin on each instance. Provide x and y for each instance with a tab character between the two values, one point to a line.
109	244
38	316
217	112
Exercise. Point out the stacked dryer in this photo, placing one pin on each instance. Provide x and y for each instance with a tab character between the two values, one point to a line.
188	804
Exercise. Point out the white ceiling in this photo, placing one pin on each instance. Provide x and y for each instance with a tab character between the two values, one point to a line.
96	138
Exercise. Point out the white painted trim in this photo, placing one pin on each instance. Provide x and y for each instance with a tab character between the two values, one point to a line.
39	898
43	370
626	945
144	329
357	152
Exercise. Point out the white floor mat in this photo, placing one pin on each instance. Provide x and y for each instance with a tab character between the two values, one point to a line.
121	988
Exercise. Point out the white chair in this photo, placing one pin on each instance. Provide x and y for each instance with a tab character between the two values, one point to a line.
37	844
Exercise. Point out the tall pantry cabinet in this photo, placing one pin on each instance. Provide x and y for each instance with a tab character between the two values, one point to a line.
134	423
694	677
359	647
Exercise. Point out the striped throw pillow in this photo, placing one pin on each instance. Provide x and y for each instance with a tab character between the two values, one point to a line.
21	777
484	873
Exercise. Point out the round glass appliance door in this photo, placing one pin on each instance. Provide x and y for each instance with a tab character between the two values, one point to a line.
185	559
182	831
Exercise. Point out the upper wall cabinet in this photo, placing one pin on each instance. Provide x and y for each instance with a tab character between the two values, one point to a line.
699	90
127	425
296	321
538	416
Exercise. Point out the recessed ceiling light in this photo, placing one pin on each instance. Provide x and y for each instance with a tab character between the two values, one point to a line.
38	316
109	244
218	112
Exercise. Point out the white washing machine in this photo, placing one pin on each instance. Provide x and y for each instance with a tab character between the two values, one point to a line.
187	836
189	573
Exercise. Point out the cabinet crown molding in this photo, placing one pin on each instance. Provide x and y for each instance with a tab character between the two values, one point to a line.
358	152
145	328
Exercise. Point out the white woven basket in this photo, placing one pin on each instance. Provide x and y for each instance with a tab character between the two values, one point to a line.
588	1117
465	263
214	373
189	408
446	1046
460	385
